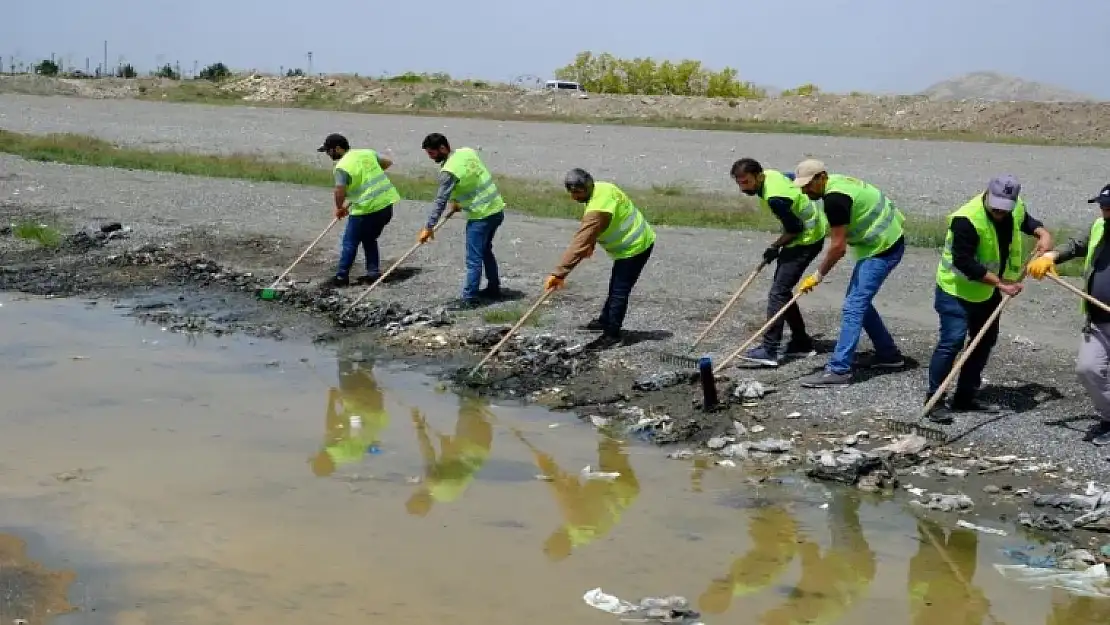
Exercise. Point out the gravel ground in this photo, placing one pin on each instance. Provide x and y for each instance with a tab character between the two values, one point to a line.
924	177
691	274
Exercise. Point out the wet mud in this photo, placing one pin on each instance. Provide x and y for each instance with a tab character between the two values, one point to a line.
184	291
30	594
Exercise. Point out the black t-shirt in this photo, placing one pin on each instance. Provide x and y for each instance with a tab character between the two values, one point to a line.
783	208
965	243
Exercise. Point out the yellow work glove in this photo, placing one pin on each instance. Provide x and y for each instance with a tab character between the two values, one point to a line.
425	235
1041	266
553	282
809	283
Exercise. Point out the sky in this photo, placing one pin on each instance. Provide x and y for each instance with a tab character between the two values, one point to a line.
840	45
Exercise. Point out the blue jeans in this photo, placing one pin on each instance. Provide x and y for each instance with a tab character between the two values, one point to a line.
858	313
479	254
960	319
363	230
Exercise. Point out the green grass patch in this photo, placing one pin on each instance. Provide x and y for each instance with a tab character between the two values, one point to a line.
676	204
44	234
510	316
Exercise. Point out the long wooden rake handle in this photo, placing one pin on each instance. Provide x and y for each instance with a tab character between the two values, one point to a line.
954	569
964	355
305	252
728	306
739	350
395	265
1078	292
511	332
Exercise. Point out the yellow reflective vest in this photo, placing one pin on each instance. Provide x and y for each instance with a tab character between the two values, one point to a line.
954	282
476	191
629	232
370	189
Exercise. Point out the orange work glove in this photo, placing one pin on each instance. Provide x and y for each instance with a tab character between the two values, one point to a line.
425	235
553	282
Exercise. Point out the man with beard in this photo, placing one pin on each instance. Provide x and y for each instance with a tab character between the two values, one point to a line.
468	185
803	235
364	192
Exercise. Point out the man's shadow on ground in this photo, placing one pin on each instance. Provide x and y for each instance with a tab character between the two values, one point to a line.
1014	400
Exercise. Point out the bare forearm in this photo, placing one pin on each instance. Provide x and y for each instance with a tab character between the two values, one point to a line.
832	257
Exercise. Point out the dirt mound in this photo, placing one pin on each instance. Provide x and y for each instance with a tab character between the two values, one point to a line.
993	86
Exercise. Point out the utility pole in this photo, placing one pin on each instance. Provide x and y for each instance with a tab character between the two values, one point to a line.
86	65
105	72
195	65
309	63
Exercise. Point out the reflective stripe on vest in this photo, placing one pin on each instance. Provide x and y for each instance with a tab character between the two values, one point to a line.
629	232
953	281
370	189
814	223
476	192
1098	229
870	226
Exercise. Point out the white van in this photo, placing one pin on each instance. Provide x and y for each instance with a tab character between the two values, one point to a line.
563	85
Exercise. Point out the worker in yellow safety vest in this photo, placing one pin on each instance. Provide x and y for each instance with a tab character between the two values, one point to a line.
1093	360
467	184
364	193
774	539
861	217
623	231
981	258
804	227
355	419
460	459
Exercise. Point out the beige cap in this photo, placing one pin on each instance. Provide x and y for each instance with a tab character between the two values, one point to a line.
806	170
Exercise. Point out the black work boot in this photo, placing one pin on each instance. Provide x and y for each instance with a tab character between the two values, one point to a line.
339	282
964	403
603	342
490	292
593	326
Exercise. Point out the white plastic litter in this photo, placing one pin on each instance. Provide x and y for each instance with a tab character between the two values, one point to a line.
1092	582
597	598
589	474
980	528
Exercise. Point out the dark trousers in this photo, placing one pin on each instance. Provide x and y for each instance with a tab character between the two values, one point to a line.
960	321
479	254
626	272
790	266
363	230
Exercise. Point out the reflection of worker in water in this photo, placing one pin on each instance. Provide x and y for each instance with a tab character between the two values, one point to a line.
829	585
592	508
1068	609
460	456
936	592
355	420
774	536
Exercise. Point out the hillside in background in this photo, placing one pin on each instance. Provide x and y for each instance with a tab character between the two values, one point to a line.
1000	87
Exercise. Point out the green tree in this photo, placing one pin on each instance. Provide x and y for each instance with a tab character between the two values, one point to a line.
215	72
167	71
126	70
294	72
806	89
605	73
47	68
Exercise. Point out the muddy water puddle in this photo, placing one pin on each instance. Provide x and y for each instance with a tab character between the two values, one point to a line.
234	480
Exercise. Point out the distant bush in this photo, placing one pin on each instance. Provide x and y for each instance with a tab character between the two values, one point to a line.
606	73
167	71
214	72
47	68
126	71
806	89
294	72
413	77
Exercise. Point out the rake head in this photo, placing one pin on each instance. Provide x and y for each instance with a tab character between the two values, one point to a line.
913	427
678	360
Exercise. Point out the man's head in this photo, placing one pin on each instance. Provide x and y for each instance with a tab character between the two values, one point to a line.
1103	201
811	177
580	184
748	174
437	147
1001	196
335	146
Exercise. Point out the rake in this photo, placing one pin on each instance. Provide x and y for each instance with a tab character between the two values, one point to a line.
688	360
758	333
392	267
505	339
272	292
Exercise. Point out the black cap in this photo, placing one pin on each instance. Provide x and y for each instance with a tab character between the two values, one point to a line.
334	141
1103	197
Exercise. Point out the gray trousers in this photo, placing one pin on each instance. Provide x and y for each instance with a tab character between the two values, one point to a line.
1093	366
